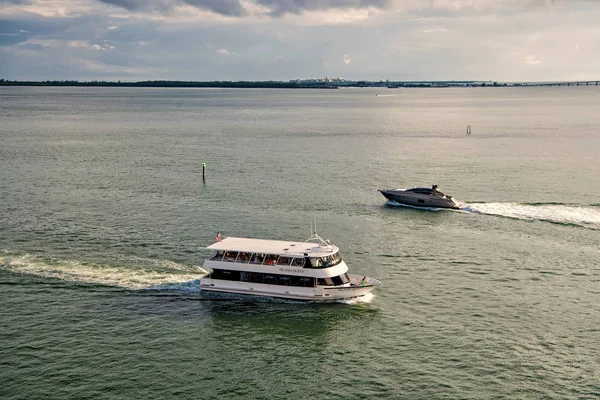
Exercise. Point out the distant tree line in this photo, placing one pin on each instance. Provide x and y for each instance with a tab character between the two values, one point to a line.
232	84
226	84
300	84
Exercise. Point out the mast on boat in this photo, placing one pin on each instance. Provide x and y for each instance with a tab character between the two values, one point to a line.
315	236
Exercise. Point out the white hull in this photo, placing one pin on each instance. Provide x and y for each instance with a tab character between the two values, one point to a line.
320	293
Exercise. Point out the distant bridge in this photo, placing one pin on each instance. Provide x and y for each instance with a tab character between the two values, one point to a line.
580	83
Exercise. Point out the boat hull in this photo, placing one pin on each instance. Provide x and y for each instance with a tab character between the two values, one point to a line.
320	293
407	198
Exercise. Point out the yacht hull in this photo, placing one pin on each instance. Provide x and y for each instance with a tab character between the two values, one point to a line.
416	200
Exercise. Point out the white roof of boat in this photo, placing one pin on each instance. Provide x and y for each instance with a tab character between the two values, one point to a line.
272	246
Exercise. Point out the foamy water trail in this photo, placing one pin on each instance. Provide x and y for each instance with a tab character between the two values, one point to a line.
367	298
588	217
160	274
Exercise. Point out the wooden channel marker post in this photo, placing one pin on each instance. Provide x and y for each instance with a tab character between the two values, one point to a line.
203	171
468	129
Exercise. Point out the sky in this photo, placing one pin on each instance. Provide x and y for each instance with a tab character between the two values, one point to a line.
205	40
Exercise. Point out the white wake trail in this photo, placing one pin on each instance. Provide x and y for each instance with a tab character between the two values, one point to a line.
166	275
588	217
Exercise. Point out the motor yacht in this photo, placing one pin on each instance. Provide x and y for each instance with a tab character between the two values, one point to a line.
420	197
306	270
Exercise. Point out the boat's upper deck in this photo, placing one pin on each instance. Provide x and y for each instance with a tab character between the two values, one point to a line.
279	247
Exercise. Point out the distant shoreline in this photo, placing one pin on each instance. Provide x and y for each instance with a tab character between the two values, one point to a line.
299	84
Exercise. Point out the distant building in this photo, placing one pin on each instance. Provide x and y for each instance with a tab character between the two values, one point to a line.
318	80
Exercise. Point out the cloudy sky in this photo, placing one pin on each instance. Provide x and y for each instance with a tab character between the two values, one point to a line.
504	40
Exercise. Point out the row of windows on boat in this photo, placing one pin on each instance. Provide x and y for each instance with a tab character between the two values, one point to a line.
277	279
274	259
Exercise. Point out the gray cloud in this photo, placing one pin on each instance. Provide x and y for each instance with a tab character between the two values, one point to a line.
276	8
279	8
32	47
223	7
17	2
10	39
17	31
282	7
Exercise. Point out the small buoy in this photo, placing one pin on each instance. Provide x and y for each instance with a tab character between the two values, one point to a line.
468	129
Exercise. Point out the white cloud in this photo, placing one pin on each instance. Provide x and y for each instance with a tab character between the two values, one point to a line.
347	59
62	8
332	17
531	60
225	52
435	30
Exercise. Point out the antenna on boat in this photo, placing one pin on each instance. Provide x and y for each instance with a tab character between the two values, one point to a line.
314	235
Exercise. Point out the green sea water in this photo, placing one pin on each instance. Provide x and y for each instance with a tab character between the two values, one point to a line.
104	217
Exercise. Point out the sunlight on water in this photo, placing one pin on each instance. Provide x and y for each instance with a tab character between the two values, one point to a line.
177	277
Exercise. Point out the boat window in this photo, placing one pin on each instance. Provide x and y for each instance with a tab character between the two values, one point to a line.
298	262
270	259
283	280
257	258
421	191
345	278
218	255
303	281
256	277
226	275
325	282
340	280
243	257
327	261
334	281
230	256
270	279
284	260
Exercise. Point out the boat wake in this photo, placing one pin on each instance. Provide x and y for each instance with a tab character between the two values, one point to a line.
393	203
564	214
367	298
155	275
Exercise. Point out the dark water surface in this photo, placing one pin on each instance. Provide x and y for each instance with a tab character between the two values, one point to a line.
104	217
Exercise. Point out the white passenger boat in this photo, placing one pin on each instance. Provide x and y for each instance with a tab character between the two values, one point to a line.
281	269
